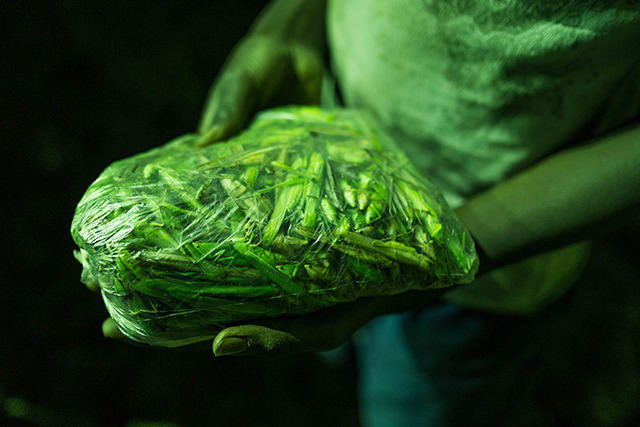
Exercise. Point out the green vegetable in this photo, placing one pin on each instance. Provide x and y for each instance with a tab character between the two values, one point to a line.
305	209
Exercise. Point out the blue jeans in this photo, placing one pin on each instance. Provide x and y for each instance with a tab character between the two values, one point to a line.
448	365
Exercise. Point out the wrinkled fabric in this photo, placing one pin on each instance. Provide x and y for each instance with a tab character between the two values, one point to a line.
476	91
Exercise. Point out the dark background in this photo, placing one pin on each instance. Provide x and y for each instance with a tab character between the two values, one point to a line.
86	83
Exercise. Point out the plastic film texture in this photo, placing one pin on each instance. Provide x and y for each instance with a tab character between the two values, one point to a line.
306	209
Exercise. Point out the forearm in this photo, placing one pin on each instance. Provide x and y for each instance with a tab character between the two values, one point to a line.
302	21
571	196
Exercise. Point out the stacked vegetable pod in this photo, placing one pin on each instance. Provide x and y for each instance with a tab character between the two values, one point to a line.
306	209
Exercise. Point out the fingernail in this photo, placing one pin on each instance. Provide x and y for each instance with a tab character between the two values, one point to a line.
231	345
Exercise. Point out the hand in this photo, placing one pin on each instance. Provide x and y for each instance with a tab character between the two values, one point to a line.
319	331
262	71
323	330
279	62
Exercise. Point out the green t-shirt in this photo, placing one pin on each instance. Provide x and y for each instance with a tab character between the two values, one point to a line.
476	91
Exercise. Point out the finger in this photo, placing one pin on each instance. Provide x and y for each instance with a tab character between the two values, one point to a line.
110	330
255	340
231	101
325	329
309	71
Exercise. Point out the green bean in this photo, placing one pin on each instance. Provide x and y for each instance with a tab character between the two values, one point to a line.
313	189
329	211
376	208
263	264
287	199
349	193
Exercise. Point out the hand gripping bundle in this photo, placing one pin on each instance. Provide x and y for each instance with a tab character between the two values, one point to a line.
306	209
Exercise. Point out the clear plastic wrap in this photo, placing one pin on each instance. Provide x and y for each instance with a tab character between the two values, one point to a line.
306	209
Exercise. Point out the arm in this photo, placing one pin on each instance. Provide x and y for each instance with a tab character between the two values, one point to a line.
570	196
280	61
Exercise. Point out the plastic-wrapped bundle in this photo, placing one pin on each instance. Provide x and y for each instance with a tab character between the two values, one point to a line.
306	209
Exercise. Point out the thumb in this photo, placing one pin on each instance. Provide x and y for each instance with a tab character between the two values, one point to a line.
230	102
309	71
256	341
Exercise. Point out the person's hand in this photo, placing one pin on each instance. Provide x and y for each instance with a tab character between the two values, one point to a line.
323	330
279	62
262	72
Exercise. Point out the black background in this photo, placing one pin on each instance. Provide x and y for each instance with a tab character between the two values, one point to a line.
86	83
